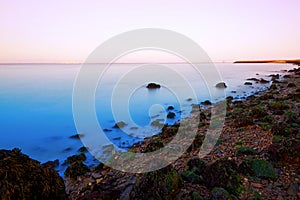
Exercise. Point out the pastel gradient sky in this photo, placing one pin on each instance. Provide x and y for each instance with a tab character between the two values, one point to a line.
67	31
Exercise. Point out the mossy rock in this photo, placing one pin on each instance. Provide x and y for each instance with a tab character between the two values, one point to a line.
219	193
191	176
277	105
196	196
24	178
282	129
162	184
285	151
197	165
263	169
258	168
223	173
76	169
245	151
258	112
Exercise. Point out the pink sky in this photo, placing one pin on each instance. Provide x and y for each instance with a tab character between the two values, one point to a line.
68	31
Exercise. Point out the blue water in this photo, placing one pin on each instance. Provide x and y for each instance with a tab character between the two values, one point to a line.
36	104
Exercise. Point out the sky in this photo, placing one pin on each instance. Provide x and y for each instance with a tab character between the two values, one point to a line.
68	31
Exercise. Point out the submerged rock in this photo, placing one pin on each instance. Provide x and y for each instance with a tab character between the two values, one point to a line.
24	178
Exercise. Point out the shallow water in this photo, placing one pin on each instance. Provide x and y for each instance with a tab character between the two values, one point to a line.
36	103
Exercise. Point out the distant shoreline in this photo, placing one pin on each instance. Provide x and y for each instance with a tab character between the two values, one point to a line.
296	61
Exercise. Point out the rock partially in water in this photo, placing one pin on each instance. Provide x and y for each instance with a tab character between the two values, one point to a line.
51	164
171	115
76	169
247	83
24	178
120	124
153	86
76	136
221	85
263	81
75	158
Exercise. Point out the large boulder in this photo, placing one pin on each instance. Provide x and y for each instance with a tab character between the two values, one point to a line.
24	178
162	184
224	174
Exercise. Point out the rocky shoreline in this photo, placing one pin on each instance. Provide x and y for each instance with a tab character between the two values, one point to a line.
256	157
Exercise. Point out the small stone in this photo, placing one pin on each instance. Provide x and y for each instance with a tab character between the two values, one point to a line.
257	185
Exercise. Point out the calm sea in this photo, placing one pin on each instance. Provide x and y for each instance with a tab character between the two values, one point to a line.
36	103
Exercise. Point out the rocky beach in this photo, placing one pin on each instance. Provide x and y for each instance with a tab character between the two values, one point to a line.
256	157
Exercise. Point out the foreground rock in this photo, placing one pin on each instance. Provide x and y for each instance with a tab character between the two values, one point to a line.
24	178
161	184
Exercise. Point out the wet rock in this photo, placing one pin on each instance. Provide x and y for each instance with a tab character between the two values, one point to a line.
273	87
253	79
24	178
247	83
82	150
206	103
76	169
51	164
120	125
157	123
75	158
170	108
76	136
171	115
162	184
223	173
153	86
221	85
263	81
